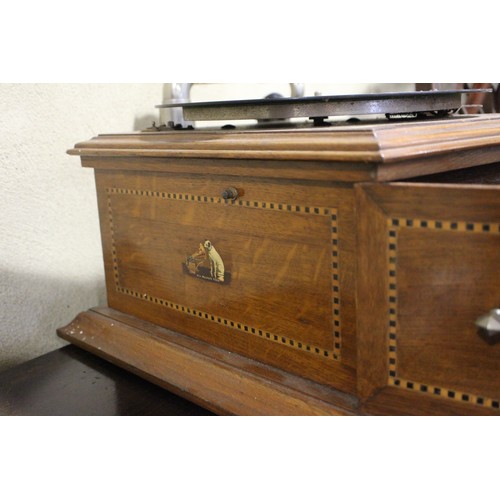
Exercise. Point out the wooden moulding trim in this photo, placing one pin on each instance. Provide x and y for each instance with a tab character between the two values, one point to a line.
437	137
218	380
383	143
293	170
310	145
270	144
324	155
440	163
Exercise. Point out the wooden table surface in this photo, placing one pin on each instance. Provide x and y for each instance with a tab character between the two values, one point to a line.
72	382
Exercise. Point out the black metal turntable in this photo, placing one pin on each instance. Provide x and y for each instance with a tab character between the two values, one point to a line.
273	109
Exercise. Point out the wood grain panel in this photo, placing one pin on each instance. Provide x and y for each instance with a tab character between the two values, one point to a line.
439	250
292	248
371	295
266	252
392	401
450	267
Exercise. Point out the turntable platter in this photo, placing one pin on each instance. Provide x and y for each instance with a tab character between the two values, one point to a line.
320	107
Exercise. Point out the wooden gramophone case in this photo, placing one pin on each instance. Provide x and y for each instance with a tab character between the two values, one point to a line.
321	271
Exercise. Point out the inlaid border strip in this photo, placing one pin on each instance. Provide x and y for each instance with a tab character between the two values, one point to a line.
279	339
394	225
331	213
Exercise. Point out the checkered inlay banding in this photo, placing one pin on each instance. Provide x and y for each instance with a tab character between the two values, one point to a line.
394	225
332	215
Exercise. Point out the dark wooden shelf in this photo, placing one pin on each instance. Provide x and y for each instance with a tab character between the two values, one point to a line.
72	382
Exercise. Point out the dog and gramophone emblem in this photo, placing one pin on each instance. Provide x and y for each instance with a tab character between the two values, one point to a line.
207	264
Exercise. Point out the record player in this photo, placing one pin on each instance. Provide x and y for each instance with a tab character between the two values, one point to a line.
339	256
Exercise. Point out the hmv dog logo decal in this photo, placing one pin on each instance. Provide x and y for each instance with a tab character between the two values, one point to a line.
206	263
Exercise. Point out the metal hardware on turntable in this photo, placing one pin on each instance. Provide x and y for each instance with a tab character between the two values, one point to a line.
420	104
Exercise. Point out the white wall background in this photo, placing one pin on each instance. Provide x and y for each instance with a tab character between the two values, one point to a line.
50	251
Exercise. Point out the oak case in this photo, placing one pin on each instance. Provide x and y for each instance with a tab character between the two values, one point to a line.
317	249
